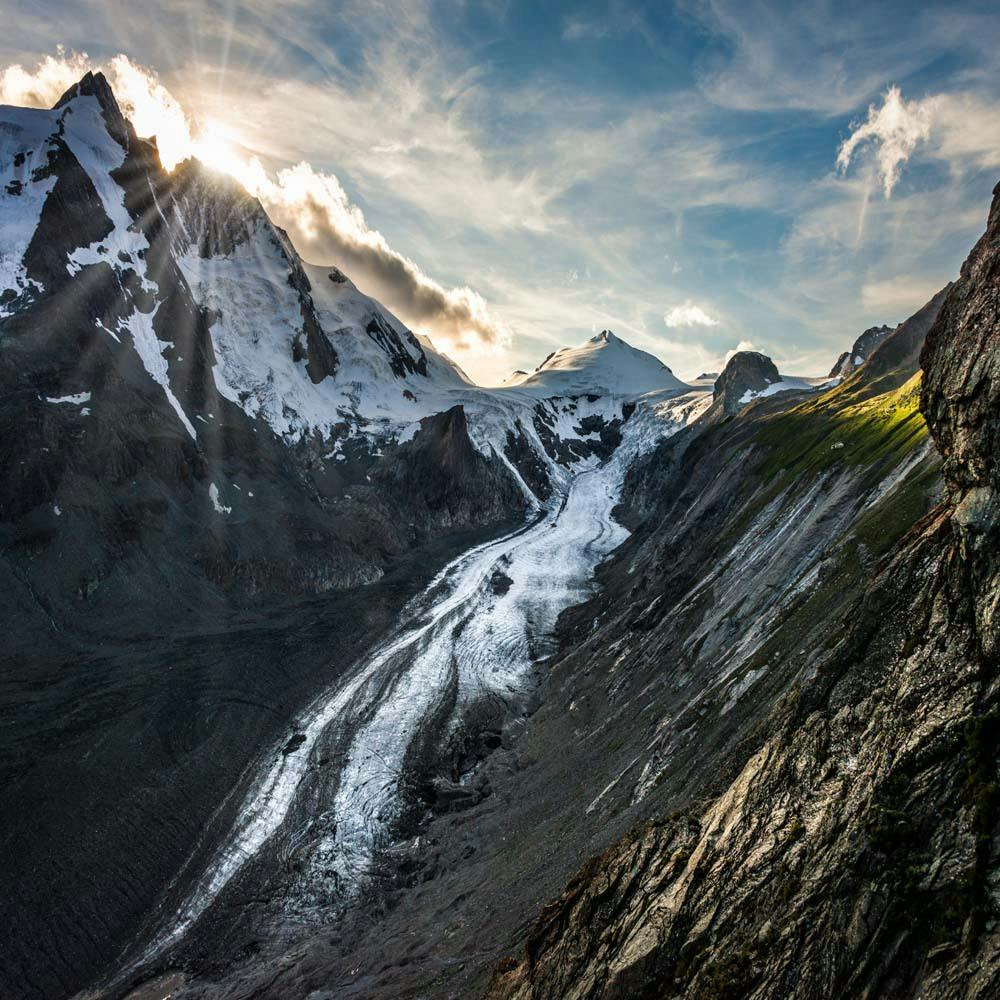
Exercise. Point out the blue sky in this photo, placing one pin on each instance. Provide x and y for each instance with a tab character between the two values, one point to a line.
535	173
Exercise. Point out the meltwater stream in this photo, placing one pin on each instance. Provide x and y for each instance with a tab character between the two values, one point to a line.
460	639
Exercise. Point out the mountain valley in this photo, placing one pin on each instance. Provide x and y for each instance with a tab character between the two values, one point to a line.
329	673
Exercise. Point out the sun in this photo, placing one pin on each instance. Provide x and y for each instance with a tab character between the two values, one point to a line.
216	147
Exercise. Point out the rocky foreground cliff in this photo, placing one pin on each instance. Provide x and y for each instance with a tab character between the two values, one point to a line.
849	846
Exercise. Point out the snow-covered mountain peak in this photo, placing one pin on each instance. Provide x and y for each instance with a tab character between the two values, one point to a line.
603	365
96	86
181	279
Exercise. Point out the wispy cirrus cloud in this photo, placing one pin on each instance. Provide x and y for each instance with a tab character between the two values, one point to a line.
894	131
961	129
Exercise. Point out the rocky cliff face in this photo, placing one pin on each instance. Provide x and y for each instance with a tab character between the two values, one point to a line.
849	846
960	398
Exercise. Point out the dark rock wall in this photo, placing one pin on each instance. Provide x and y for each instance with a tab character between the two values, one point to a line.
745	370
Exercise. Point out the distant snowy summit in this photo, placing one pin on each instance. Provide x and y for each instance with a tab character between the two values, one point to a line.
605	364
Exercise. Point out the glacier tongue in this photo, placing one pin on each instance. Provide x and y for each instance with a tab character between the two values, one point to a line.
460	639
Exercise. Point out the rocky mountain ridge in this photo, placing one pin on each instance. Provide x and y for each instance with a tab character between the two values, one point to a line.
860	351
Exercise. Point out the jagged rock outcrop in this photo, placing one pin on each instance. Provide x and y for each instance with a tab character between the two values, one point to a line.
96	85
854	850
863	348
442	480
900	351
745	372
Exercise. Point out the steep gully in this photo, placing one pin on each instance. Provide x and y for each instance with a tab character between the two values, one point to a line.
343	784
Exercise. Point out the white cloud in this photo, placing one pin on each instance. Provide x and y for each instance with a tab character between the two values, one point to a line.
151	108
46	83
578	29
324	225
689	314
960	128
743	345
894	131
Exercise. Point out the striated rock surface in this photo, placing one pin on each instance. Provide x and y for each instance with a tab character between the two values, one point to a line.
850	848
961	398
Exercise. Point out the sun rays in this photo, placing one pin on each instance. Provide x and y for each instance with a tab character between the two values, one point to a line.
310	204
